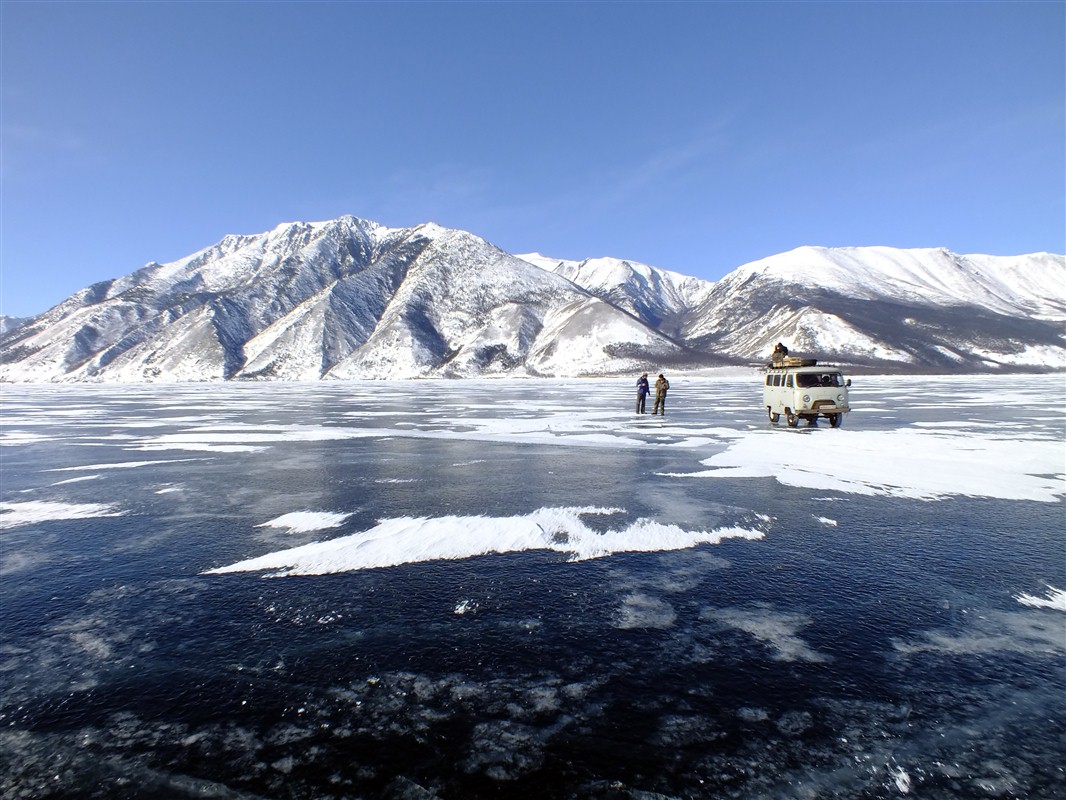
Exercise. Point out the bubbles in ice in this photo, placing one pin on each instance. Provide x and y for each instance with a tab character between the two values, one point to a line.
640	610
779	630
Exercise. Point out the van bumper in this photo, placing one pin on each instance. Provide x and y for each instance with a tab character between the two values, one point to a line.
824	408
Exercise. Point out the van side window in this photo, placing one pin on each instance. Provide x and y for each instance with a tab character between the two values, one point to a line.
788	382
768	380
777	380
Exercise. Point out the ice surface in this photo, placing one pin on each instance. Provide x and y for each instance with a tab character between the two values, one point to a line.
750	669
25	513
407	540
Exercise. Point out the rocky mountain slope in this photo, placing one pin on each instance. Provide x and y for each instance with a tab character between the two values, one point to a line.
349	298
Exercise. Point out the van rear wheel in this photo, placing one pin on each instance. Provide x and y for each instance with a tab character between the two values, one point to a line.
791	419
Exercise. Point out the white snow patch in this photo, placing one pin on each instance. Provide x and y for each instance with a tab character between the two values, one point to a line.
1056	599
12	438
304	521
14	514
121	465
207	447
406	540
832	523
77	480
918	464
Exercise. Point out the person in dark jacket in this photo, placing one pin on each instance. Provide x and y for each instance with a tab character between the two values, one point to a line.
642	392
661	387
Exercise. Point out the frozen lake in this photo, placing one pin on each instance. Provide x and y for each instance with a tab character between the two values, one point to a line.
519	589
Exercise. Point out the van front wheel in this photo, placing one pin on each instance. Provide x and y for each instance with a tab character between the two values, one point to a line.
774	417
836	420
791	419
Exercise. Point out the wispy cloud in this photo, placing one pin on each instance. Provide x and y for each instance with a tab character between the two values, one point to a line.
21	135
667	163
437	186
27	147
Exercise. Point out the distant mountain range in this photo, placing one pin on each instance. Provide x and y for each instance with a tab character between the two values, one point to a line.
351	299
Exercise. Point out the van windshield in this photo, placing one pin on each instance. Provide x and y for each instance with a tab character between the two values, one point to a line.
807	380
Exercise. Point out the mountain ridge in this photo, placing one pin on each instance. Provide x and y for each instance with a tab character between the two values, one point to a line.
350	298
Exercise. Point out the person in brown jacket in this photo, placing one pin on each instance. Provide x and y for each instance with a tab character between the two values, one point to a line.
661	386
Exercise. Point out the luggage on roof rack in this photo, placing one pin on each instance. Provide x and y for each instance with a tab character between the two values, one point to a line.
793	361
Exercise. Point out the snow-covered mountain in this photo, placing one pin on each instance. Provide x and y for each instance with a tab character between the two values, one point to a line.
349	298
341	299
657	297
924	308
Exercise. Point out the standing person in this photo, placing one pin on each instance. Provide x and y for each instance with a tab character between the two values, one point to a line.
642	392
661	386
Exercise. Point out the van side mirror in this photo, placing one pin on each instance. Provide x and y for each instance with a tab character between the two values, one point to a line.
848	382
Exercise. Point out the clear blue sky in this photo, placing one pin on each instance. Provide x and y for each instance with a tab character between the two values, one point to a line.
690	136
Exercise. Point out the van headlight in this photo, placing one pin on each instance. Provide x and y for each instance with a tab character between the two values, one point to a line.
806	398
840	398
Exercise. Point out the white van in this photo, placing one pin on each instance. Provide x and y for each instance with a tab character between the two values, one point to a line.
800	389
